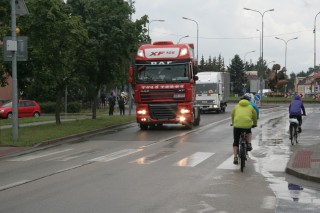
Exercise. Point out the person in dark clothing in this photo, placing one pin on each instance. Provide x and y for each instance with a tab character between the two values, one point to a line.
112	102
295	108
121	105
103	100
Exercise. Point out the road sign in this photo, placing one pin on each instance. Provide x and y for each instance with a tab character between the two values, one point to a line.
21	46
257	97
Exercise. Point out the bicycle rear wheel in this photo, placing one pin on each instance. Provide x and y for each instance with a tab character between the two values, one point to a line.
242	154
291	129
294	137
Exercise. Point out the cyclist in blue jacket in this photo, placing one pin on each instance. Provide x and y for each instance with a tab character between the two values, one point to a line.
248	97
295	108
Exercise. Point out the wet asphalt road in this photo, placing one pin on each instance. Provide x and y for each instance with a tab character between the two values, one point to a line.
162	170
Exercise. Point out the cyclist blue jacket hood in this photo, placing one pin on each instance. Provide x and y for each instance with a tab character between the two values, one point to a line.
296	106
243	115
255	107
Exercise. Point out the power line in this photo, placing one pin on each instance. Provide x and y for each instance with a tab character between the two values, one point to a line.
234	38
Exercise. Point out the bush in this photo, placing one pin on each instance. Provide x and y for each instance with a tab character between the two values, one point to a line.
74	107
48	107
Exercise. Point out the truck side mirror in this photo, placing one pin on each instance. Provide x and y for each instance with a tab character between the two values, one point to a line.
195	78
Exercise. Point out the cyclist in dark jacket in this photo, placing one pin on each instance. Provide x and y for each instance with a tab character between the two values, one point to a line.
295	108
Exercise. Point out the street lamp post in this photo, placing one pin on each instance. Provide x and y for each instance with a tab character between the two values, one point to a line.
262	15
315	48
285	53
153	21
182	38
244	58
197	34
259	42
244	73
315	32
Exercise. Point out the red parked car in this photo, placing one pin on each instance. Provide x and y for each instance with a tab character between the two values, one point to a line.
26	108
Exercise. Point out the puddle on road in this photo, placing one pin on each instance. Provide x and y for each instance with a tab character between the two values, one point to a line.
272	155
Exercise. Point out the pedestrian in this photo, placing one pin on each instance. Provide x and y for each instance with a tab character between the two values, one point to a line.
121	105
112	102
103	100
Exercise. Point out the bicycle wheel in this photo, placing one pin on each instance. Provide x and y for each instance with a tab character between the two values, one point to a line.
291	129
294	137
242	156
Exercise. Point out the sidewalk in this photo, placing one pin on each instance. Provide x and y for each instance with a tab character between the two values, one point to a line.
304	163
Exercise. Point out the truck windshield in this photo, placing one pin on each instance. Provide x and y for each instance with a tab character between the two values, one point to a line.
206	88
163	73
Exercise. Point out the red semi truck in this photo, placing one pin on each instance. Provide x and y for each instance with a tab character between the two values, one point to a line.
164	82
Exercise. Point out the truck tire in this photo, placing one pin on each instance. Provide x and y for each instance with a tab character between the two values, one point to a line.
196	121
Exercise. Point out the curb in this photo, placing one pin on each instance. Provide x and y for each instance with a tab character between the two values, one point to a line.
301	175
58	141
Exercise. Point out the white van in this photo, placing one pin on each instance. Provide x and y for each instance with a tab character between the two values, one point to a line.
265	92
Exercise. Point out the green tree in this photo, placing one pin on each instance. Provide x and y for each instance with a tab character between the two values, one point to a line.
261	67
105	57
5	14
54	41
236	69
220	64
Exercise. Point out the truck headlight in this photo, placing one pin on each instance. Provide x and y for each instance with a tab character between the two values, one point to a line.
184	111
184	52
142	112
215	106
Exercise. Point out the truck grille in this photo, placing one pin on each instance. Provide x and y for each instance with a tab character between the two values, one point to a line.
199	102
158	95
163	111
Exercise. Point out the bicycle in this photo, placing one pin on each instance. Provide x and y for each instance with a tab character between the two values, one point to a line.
242	149
293	130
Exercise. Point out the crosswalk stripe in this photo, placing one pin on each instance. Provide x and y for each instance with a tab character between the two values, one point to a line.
194	159
153	158
115	155
39	155
228	164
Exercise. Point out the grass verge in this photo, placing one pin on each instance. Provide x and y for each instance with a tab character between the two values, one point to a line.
31	135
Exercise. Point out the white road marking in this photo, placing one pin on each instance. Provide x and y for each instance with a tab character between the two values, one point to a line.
115	155
228	164
194	159
153	158
39	155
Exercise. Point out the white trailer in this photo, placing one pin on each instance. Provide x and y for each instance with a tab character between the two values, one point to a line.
212	91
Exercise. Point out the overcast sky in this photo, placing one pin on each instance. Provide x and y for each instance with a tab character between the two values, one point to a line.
226	28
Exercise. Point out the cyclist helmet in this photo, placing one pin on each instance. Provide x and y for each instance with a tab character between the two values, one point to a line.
246	96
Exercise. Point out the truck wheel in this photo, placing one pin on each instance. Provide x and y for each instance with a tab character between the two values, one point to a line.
196	119
143	126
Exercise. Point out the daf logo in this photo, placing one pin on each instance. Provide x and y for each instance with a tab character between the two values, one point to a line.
157	53
160	62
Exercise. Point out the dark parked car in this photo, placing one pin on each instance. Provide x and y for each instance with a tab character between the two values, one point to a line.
26	108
